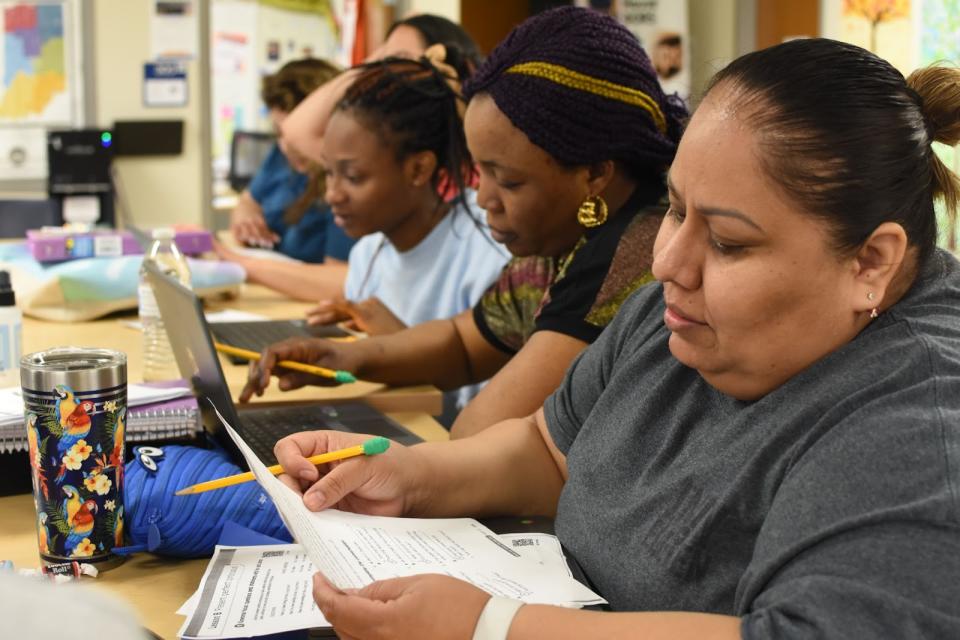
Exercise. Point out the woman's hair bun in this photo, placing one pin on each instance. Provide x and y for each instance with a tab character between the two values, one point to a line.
939	89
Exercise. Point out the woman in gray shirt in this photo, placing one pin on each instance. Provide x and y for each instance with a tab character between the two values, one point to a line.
766	444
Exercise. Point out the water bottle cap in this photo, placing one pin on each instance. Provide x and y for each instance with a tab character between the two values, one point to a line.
163	233
7	297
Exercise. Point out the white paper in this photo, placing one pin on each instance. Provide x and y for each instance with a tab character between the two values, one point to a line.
253	591
543	548
227	315
234	315
173	29
353	550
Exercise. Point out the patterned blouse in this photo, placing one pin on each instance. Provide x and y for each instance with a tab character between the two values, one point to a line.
576	294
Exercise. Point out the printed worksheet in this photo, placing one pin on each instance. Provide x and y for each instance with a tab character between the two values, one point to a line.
353	550
253	591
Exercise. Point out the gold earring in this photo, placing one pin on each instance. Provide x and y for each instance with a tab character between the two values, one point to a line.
593	212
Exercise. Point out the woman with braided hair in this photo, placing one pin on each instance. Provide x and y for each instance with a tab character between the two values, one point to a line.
398	134
571	136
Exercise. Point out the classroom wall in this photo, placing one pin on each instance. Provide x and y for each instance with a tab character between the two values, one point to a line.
158	190
714	40
447	8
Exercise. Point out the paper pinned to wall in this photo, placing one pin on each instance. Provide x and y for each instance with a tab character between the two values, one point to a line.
173	29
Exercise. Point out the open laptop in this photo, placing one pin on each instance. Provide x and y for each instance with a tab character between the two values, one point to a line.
255	335
182	313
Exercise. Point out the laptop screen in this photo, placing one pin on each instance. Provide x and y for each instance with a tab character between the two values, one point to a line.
182	313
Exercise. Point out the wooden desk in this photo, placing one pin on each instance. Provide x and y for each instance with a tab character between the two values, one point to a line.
153	586
113	334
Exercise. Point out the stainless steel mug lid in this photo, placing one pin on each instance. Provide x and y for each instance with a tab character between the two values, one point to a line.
79	367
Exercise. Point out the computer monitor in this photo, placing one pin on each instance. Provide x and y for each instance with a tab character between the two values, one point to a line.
248	149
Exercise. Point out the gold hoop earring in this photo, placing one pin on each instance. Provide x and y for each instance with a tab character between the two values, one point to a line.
593	212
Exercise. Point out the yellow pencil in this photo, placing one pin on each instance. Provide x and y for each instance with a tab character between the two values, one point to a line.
371	447
339	376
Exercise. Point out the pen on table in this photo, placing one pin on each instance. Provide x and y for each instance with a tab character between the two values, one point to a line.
371	447
339	376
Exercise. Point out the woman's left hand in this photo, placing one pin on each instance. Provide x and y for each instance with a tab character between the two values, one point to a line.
427	606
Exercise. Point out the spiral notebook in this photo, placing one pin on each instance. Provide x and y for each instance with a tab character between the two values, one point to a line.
176	418
171	418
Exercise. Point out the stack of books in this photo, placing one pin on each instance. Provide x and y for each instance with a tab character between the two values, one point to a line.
155	412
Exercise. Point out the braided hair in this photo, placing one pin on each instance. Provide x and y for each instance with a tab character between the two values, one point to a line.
413	107
581	88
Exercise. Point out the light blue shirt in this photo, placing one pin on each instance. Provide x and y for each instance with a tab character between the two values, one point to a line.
439	278
445	274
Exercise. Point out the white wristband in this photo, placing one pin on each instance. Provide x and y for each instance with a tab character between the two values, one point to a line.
495	619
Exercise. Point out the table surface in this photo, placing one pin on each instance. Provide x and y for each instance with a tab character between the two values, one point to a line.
114	333
156	587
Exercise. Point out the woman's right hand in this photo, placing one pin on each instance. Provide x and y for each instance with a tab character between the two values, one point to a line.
316	351
381	485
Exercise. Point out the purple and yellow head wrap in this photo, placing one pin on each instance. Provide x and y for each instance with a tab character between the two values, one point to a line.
580	86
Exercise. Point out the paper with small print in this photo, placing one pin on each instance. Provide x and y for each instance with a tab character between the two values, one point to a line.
253	591
353	550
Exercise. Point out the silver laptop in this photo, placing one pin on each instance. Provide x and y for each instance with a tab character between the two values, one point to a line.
182	313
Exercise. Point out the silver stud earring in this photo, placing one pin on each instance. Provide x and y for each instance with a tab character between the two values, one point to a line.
871	295
873	313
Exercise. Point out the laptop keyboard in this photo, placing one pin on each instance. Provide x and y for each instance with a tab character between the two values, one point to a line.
262	428
256	335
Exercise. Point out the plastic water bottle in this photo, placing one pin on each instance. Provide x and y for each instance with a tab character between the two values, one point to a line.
11	321
159	362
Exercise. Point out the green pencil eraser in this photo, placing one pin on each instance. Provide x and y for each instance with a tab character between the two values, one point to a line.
373	446
344	376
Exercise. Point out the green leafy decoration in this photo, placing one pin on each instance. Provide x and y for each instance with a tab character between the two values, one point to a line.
109	429
51	424
103	529
55	518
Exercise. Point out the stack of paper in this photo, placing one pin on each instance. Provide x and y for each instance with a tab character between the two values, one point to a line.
259	590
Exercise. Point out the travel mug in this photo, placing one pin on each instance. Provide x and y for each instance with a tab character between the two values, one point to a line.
75	409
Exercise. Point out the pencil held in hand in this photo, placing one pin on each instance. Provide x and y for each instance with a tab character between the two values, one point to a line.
371	447
323	372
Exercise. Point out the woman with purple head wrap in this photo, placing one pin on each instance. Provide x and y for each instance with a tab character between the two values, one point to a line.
571	136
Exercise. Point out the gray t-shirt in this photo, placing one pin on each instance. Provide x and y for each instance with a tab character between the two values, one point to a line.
829	508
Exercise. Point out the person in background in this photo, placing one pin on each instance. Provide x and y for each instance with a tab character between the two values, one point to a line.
407	38
282	208
765	444
572	135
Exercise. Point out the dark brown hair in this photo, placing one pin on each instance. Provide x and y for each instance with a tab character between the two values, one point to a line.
848	138
284	90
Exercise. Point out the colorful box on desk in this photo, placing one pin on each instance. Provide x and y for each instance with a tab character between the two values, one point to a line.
55	244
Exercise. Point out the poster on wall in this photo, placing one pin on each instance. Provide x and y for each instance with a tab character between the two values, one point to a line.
35	83
662	28
888	28
173	30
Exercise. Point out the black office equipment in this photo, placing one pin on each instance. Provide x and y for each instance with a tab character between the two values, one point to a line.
260	428
79	164
148	137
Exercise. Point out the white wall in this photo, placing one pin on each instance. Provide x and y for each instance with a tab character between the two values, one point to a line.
163	189
714	40
447	8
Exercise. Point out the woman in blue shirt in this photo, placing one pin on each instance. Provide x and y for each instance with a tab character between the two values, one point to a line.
282	208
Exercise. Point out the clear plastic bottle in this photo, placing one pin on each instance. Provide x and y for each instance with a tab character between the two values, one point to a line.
11	321
159	362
